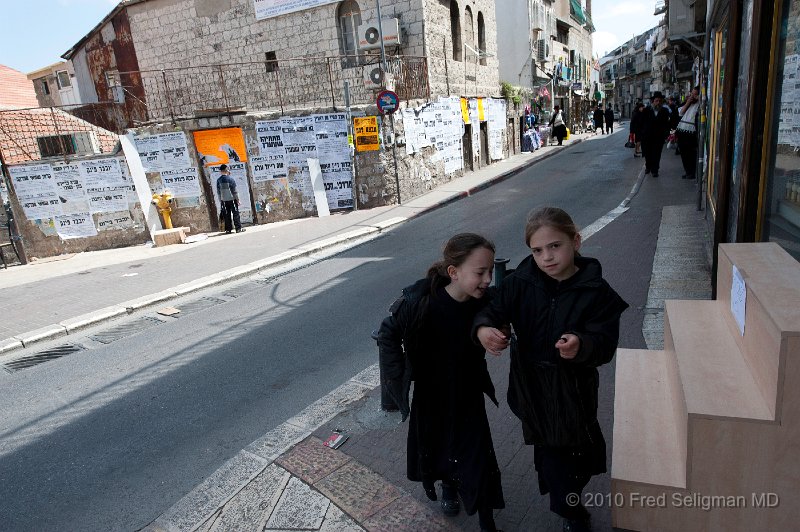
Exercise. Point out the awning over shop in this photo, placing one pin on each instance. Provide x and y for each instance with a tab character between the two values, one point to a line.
576	11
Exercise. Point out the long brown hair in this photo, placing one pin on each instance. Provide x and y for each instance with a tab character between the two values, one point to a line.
455	252
553	217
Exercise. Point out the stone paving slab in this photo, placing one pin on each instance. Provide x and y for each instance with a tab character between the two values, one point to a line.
299	508
406	514
312	461
357	490
252	507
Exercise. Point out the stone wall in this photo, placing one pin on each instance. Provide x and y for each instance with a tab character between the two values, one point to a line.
467	76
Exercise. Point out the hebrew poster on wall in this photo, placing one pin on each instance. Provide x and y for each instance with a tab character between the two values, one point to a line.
181	183
36	191
239	174
220	146
70	189
79	225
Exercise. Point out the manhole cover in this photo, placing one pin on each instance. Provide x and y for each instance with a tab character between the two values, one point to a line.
42	356
127	329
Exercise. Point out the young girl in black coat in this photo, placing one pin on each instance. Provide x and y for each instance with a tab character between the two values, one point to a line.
566	324
448	433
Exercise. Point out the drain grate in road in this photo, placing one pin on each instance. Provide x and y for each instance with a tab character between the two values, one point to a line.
126	329
42	357
198	305
242	289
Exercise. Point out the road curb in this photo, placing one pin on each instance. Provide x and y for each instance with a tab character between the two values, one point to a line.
66	327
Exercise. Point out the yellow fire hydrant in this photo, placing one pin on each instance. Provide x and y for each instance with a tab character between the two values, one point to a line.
164	204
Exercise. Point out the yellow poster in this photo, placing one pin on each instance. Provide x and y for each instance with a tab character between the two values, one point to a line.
366	132
218	146
465	110
481	116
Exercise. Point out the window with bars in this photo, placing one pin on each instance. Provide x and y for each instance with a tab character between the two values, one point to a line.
348	16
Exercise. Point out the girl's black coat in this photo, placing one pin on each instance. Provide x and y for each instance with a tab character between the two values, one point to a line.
555	398
474	466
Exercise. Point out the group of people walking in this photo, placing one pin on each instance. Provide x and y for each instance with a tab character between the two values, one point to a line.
602	119
651	126
561	321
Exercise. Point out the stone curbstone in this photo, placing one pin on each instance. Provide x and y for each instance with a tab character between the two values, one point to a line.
91	318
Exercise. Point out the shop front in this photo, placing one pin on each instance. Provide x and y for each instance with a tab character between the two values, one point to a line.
750	140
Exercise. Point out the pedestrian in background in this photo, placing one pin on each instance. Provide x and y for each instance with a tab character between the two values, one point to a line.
609	120
557	123
687	133
566	324
448	433
229	200
655	130
637	119
598	119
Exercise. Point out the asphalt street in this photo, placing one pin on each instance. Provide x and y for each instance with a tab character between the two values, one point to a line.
111	436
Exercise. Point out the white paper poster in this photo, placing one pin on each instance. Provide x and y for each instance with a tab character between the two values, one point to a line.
174	152
107	199
270	137
163	151
101	173
70	189
336	165
32	179
108	221
738	298
149	149
40	205
181	183
78	225
266	167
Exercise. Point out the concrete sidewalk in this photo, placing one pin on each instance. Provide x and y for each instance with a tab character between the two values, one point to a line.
56	297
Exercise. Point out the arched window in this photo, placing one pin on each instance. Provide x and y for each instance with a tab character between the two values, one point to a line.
469	33
482	37
455	30
348	18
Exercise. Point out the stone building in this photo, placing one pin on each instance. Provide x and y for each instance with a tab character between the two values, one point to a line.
166	58
55	85
547	43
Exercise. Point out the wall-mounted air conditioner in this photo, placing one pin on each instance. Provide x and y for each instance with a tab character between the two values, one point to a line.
369	36
373	77
542	50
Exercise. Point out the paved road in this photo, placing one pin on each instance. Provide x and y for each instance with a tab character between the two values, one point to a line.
110	437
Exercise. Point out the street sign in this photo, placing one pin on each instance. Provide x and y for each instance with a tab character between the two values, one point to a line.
388	102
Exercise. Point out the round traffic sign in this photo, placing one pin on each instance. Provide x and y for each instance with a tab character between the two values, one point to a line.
388	102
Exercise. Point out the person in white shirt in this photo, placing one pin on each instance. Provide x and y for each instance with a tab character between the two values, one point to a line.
687	133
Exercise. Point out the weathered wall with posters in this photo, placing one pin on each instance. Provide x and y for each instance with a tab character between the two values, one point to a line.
87	204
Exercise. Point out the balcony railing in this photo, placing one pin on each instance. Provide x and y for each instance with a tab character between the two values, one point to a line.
272	85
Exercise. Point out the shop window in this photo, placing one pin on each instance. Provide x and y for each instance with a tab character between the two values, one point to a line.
455	31
780	207
348	17
482	38
716	108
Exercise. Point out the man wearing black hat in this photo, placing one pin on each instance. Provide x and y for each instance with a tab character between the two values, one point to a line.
655	130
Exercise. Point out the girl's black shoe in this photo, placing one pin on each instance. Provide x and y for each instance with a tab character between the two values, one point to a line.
450	507
430	490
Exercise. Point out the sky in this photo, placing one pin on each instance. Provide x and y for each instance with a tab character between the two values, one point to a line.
36	32
616	21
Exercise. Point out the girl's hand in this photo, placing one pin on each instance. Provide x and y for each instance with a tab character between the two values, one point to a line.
567	346
493	340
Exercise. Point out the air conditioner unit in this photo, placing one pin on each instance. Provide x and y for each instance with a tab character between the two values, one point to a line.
542	50
369	34
373	77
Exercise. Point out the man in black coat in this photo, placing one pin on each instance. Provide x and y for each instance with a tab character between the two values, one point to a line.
609	120
655	130
598	119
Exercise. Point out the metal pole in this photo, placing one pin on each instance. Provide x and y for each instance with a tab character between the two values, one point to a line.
330	81
391	116
166	92
224	90
349	136
13	229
